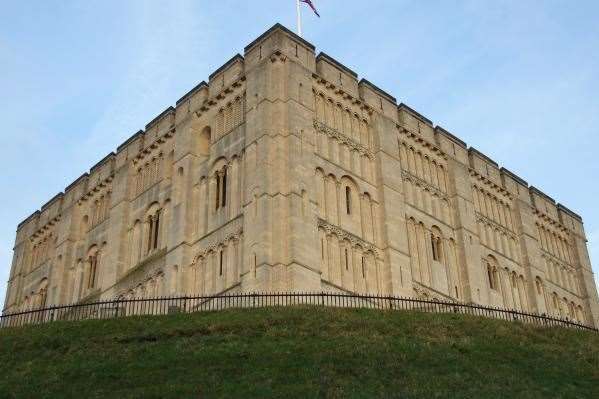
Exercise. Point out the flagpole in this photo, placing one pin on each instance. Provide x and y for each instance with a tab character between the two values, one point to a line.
299	18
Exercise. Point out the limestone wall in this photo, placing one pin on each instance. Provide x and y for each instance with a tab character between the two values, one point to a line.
287	172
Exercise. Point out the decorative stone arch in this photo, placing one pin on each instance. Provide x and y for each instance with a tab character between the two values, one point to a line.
580	314
218	183
42	293
91	267
540	289
151	227
436	239
493	273
350	194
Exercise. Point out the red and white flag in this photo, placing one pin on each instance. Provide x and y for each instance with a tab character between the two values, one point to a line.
309	3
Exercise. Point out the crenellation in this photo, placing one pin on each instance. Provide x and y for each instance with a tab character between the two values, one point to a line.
517	186
484	166
224	76
286	173
53	205
137	137
192	93
74	191
101	171
280	39
161	125
543	203
451	145
378	100
333	71
413	121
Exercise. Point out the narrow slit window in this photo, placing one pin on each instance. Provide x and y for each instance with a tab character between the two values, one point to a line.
150	232
224	188
435	247
220	273
348	200
346	260
363	268
217	191
156	227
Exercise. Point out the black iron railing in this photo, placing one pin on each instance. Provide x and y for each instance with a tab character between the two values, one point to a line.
188	304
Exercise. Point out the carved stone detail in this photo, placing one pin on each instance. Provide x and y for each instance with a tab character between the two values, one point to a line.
346	235
216	242
485	220
420	182
321	127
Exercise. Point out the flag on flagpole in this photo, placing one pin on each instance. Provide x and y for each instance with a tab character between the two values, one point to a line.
309	3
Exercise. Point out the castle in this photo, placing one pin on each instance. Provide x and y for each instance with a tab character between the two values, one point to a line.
286	173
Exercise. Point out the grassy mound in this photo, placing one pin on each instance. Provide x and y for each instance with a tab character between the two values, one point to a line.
298	352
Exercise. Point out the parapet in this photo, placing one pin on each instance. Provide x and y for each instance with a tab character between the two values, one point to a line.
570	219
543	203
228	73
281	42
333	71
159	126
514	184
415	122
454	139
378	99
192	92
279	39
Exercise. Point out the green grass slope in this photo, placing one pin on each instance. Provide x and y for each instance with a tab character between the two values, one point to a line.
298	353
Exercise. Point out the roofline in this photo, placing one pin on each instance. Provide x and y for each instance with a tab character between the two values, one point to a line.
284	29
236	57
333	61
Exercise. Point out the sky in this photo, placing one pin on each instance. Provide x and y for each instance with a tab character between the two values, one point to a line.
516	79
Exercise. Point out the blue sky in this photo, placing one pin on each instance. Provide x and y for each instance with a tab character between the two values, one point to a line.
517	79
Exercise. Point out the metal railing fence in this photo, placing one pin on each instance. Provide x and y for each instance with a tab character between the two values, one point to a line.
188	304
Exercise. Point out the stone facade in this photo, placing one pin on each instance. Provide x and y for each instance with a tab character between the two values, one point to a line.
286	173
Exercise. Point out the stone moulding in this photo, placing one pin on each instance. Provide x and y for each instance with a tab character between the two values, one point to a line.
418	181
346	235
322	128
485	220
213	246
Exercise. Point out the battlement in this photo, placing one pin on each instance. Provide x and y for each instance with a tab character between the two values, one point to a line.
265	136
280	39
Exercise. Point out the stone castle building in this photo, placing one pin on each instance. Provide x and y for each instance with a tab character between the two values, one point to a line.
286	173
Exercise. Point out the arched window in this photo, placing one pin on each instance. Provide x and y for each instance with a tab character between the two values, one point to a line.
153	228
220	262
92	264
348	204
43	293
492	273
346	259
255	265
555	302
363	268
224	188
539	285
221	188
436	244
